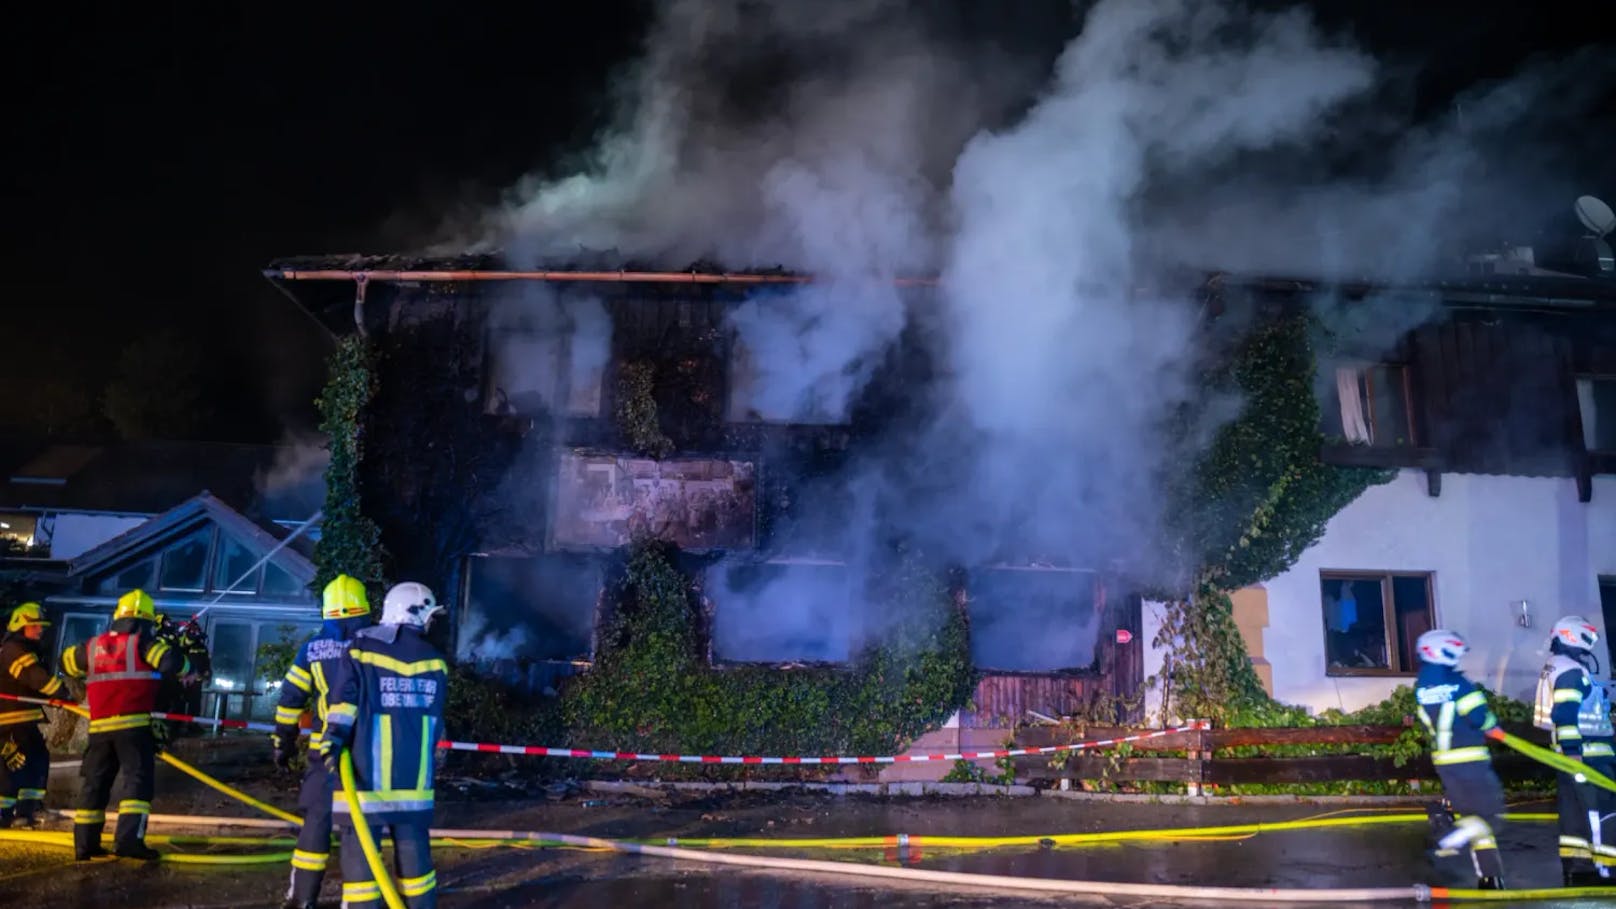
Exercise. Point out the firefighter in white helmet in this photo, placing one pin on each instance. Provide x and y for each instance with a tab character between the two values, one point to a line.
386	709
1454	711
1572	703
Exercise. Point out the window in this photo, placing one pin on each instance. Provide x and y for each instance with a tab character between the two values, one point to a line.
185	564
237	671
1596	398
784	612
236	571
16	533
1607	602
1371	620
1033	619
139	575
278	583
1369	405
78	627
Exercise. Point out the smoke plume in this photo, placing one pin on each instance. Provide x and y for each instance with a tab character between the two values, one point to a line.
1047	187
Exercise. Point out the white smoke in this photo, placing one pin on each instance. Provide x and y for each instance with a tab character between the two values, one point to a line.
294	482
863	142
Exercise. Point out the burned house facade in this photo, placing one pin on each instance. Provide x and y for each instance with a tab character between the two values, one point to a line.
547	419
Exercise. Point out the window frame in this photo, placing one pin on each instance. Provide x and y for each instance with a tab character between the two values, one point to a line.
1388	609
163	552
1582	418
1365	371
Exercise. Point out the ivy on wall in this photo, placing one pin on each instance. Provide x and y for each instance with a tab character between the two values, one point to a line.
350	543
650	688
638	417
1251	506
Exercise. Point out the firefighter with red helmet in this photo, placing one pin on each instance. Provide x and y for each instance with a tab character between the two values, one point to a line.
123	670
307	688
24	759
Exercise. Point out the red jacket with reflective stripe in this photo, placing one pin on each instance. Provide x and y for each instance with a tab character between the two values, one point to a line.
119	679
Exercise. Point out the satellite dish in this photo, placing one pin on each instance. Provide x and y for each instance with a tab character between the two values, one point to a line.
1595	215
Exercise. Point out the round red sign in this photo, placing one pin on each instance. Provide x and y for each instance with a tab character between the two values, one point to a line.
1124	635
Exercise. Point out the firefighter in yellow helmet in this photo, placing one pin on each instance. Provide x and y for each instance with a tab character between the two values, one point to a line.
306	688
24	759
123	669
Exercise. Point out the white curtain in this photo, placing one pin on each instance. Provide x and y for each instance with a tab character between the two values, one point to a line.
1348	388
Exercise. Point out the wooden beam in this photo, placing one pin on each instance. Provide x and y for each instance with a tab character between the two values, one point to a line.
1307	735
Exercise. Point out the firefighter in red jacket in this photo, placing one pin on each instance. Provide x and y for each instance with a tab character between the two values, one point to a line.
24	759
123	669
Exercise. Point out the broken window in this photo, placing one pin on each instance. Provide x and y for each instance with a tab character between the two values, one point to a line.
1372	619
1596	398
779	612
1369	404
548	356
1032	619
529	608
237	571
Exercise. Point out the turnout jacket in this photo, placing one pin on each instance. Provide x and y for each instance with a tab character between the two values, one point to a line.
122	670
1578	713
386	708
23	675
1454	711
307	685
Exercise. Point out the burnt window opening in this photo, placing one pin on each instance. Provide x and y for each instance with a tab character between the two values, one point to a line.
1368	404
1596	399
529	609
1372	619
547	356
777	612
1033	619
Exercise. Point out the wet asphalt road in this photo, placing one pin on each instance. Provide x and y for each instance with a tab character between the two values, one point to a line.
1343	857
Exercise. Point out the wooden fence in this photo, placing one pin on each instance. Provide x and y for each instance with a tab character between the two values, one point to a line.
1201	767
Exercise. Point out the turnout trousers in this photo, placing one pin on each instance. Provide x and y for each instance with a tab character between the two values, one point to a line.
24	769
1474	791
412	863
314	839
133	753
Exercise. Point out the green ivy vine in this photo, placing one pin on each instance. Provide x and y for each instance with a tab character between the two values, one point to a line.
350	543
637	416
1252	505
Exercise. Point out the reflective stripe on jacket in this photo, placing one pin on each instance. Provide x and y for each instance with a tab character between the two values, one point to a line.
386	707
1455	714
22	674
122	670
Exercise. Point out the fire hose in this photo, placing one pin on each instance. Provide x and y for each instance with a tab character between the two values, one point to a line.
682	850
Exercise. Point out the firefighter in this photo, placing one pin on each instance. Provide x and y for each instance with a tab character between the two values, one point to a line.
123	669
386	709
183	695
1573	705
24	759
307	687
1454	711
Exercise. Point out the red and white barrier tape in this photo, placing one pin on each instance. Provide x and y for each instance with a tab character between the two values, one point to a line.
546	751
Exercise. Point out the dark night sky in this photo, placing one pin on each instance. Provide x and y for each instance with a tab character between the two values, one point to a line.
163	153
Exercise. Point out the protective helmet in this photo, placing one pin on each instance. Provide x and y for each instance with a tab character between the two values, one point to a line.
410	603
136	604
25	615
1575	632
1442	647
344	598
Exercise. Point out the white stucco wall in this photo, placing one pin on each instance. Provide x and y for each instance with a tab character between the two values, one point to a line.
75	534
1489	541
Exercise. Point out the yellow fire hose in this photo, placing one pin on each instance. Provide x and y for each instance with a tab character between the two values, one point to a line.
373	855
1559	762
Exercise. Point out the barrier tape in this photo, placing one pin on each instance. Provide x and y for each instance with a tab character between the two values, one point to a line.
791	761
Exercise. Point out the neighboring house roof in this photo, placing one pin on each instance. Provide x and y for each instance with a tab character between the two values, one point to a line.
258	538
153	476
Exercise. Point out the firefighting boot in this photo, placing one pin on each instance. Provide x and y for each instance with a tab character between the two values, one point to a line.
6	815
31	808
304	890
130	839
87	840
